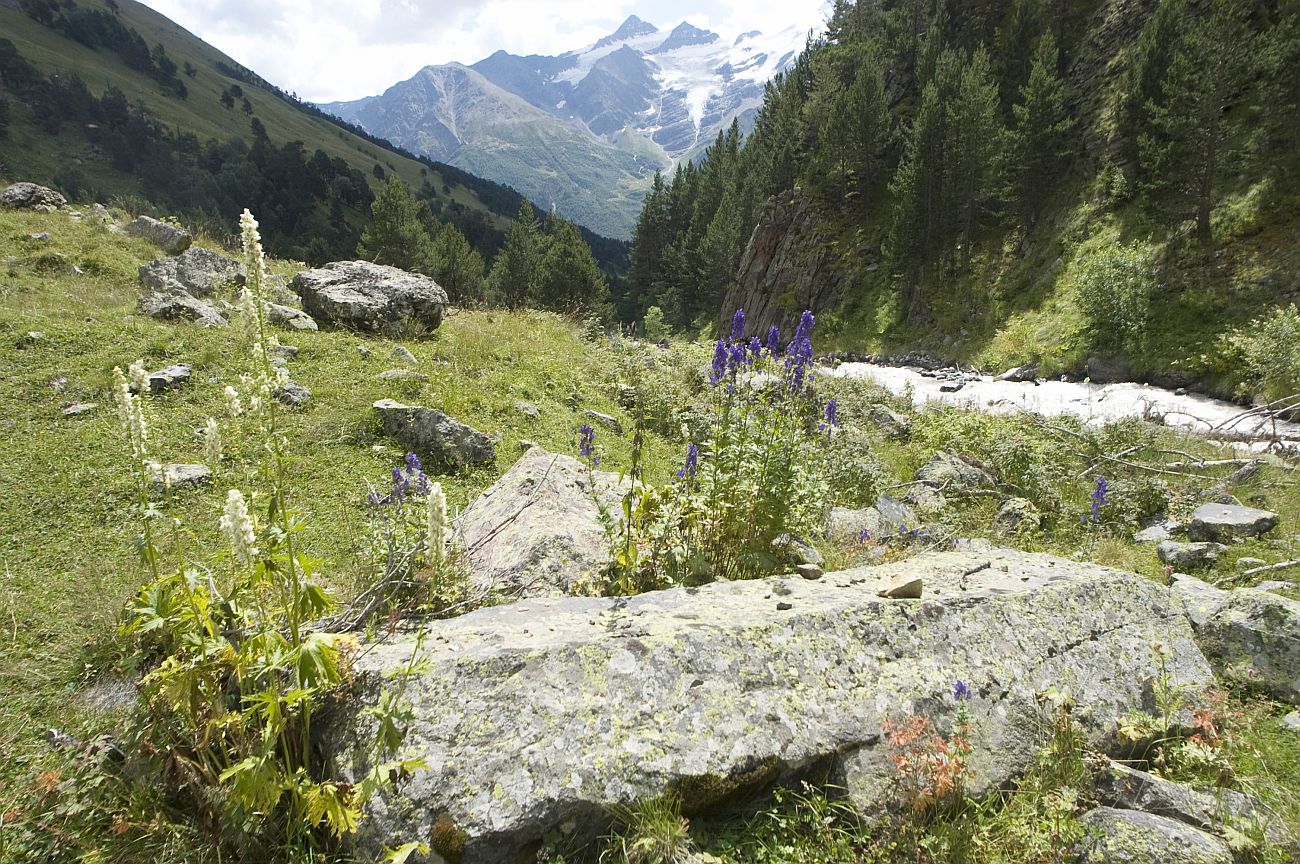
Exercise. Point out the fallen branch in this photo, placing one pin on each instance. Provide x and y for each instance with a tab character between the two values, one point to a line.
1272	568
1213	463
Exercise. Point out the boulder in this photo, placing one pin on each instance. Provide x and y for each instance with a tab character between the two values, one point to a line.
169	378
1251	637
171	239
537	531
541	715
289	317
433	434
1189	556
1133	837
949	471
1108	370
179	306
1156	533
197	272
1020	374
173	477
1017	515
293	394
359	295
795	550
1223	523
29	196
888	518
888	421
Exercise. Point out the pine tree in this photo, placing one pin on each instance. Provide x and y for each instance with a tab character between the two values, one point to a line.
569	280
395	235
457	267
975	149
868	113
1191	129
1016	53
1042	129
1144	80
515	274
648	242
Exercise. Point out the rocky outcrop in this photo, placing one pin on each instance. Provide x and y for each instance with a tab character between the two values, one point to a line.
1133	837
540	715
949	472
359	295
537	531
1223	523
198	272
169	238
787	267
29	196
434	435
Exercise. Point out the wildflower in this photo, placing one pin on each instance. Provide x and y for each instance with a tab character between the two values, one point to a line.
233	406
212	441
237	525
587	443
773	344
438	524
719	362
960	690
799	352
1099	499
399	488
692	462
864	536
832	421
131	412
738	325
139	377
755	351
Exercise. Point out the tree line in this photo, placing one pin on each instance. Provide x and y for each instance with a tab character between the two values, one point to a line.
927	130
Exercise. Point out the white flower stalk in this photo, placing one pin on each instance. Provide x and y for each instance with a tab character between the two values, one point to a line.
233	406
237	525
439	525
139	377
212	442
131	412
252	301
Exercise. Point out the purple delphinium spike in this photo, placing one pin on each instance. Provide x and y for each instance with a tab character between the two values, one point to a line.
755	350
692	462
773	344
738	325
960	690
1099	499
832	407
719	362
587	443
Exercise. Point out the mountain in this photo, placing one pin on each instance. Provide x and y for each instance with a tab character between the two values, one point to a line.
586	130
117	100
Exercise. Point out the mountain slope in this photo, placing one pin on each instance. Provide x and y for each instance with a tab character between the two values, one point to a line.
585	130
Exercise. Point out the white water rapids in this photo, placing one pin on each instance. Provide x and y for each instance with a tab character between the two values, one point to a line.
1093	403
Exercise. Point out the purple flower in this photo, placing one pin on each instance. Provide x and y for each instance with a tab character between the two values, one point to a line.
960	691
773	344
587	443
799	353
864	535
832	421
719	362
755	350
413	463
1099	499
738	325
692	462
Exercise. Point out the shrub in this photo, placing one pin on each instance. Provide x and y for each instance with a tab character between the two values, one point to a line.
656	330
1267	352
1113	289
855	475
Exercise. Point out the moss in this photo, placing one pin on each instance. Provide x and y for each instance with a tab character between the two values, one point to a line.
447	839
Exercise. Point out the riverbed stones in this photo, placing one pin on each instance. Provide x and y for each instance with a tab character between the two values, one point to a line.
172	239
1020	374
1116	836
537	531
198	272
1224	523
546	712
434	435
359	295
1189	556
30	196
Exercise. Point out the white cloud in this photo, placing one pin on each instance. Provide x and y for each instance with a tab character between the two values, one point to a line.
327	50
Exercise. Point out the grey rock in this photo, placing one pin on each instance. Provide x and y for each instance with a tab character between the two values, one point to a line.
1132	837
100	213
433	434
537	531
359	295
897	516
39	236
1224	523
1189	556
1017	515
926	499
79	408
604	419
1251	637
1108	370
169	378
402	375
952	387
289	351
293	394
1248	563
30	339
402	354
169	238
810	571
290	318
1020	374
549	710
528	409
795	550
1209	809
843	524
29	196
1275	585
179	306
1292	721
180	477
948	471
525	445
888	421
1156	533
197	272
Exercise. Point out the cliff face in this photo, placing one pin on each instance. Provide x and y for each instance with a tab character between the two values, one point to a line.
788	266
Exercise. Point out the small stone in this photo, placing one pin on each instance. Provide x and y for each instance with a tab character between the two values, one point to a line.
29	339
402	355
364	352
39	236
180	477
169	238
1248	563
605	419
903	588
58	385
1156	533
169	378
290	318
952	388
795	550
293	394
783	606
402	375
811	572
1292	721
528	409
79	408
285	351
1189	556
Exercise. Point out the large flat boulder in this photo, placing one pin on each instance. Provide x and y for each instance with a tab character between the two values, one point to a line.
1223	523
542	714
537	531
359	295
434	435
1118	836
198	272
169	238
30	196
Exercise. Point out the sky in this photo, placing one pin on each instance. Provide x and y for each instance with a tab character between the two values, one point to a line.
331	50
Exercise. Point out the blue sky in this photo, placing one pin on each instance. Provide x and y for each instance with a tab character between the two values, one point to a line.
328	50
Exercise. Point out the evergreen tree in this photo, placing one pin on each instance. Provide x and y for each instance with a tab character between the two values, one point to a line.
395	235
569	279
457	267
976	150
648	242
1191	129
1042	129
1016	52
868	114
1280	58
4	117
514	276
1144	80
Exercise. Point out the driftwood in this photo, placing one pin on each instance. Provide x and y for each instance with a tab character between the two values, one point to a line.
1272	568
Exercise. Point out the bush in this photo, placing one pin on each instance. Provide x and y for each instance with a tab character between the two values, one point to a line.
654	327
1268	353
1113	289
